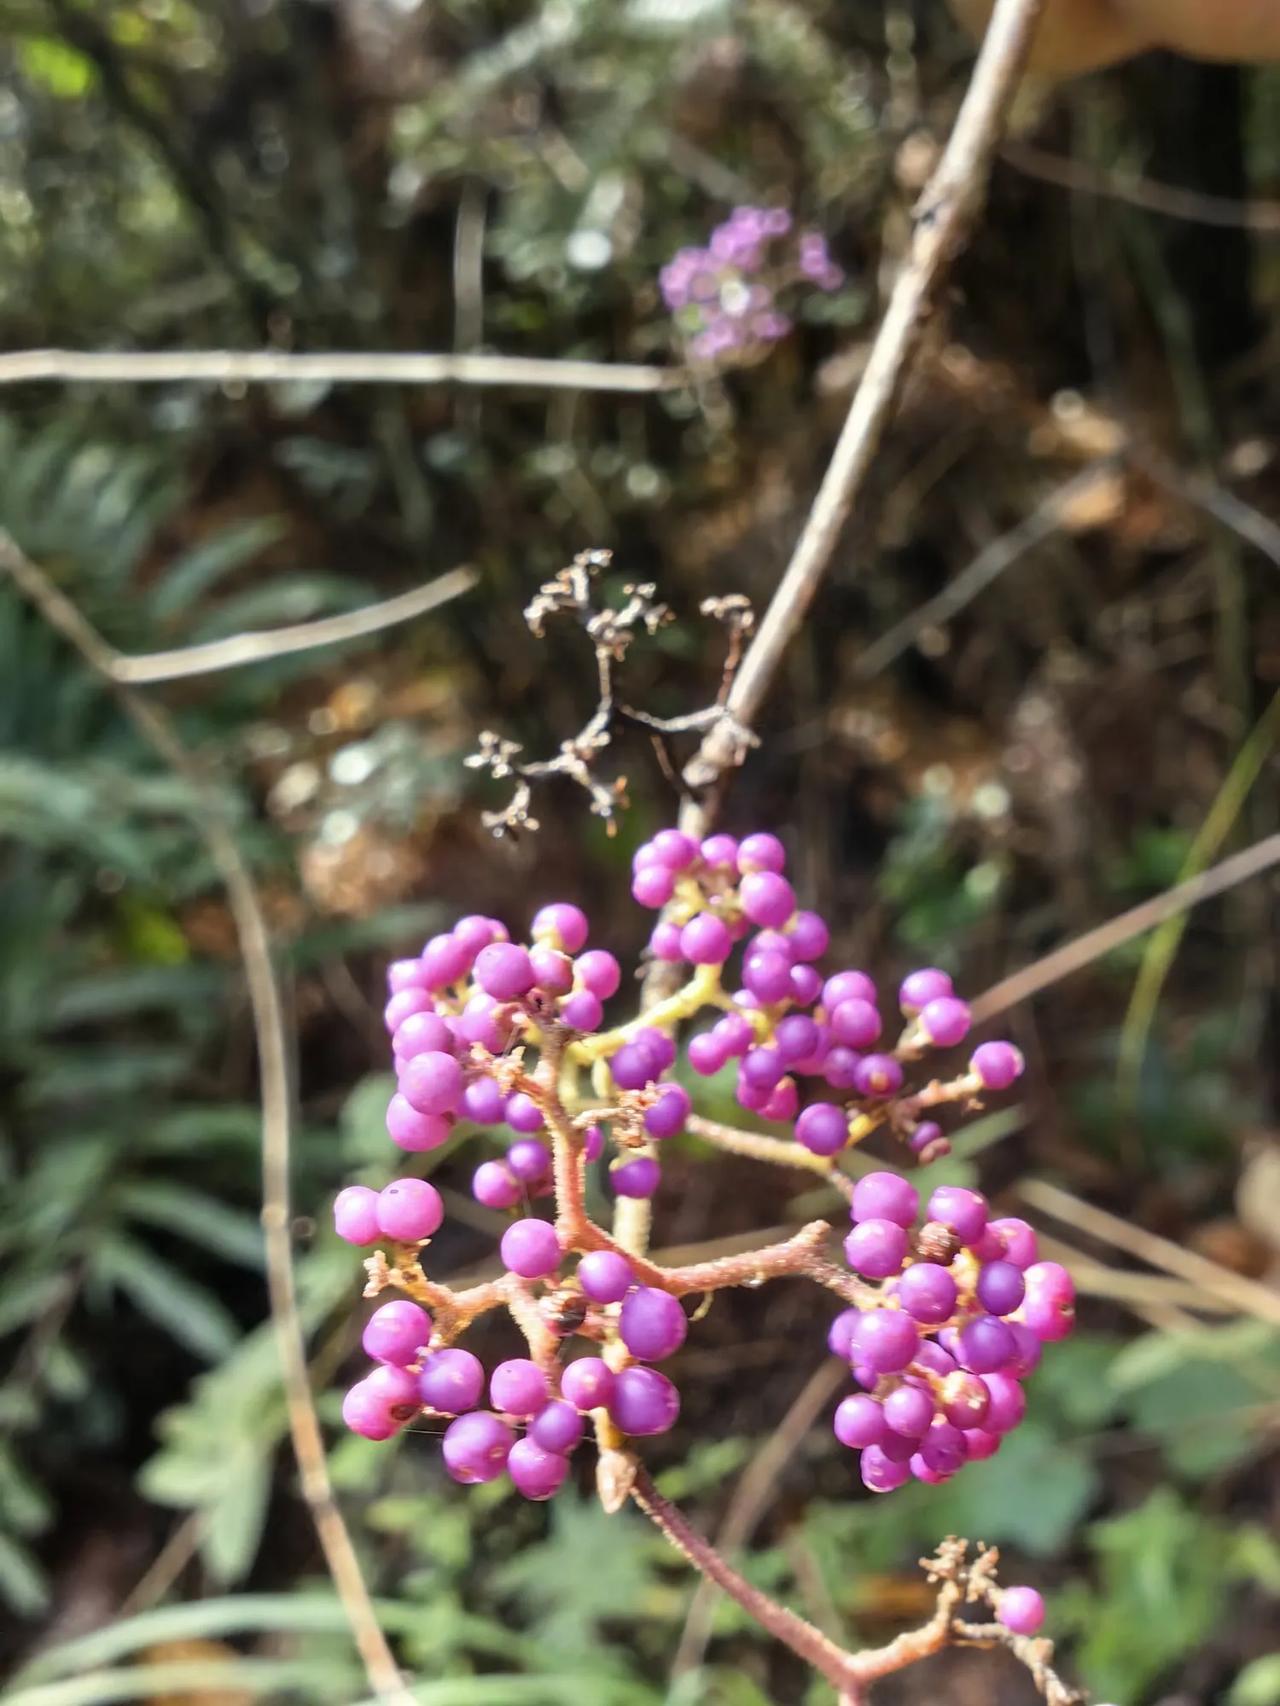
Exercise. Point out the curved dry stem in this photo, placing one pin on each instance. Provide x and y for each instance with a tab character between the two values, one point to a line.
777	1151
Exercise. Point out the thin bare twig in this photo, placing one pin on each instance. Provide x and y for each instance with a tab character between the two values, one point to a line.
262	645
1168	199
277	1114
1084	950
278	367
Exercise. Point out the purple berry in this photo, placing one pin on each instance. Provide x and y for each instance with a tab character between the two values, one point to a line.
796	1037
396	1332
806	985
473	933
644	1402
925	1135
922	1472
1000	1287
632	1067
932	1356
536	1472
652	1324
657	1045
409	1210
886	1340
405	974
355	1214
638	1177
588	1384
927	1292
522	1113
986	1344
432	1083
840	1067
858	1421
1007	1404
592	1143
653	886
962	1211
582	1011
879	1473
447	959
664	943
909	1410
762	1068
761	852
451	1381
767	899
1021	1609
782	1102
483	1101
530	1248
1016	1240
675	848
493	1185
885	1196
706	1056
504	971
877	1075
518	1387
478	1023
407	1004
557	1427
943	1447
848	986
965	1400
476	1447
599	972
945	1021
1027	1357
876	1248
823	1128
553	970
997	1065
855	1023
529	1160
705	940
810	937
414	1131
767	974
840	1334
918	988
734	1033
1049	1307
667	1115
605	1276
562	925
367	1411
422	1033
980	1444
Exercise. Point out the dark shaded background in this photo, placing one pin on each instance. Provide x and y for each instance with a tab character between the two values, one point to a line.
382	175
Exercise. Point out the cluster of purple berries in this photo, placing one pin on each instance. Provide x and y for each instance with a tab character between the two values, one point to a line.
787	1022
725	297
963	1311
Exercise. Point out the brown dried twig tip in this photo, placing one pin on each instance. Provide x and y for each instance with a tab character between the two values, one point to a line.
611	633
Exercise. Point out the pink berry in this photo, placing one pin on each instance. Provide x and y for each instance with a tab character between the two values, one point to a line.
504	971
705	940
1021	1609
409	1210
719	850
414	1131
562	925
588	1383
476	1447
767	899
918	988
404	1005
432	1083
762	852
664	943
806	985
422	1033
674	848
355	1214
885	1196
847	986
365	1411
522	1113
945	1021
552	969
451	1381
653	886
495	1186
518	1387
810	937
405	974
530	1248
446	960
855	1023
483	1101
599	972
997	1065
582	1011
605	1276
536	1472
396	1332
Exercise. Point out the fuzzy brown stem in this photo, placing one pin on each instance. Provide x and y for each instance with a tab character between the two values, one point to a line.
777	1151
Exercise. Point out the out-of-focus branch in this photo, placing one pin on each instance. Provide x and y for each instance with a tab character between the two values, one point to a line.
342	367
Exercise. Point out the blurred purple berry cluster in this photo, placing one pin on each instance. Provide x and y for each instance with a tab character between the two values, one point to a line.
726	298
512	1037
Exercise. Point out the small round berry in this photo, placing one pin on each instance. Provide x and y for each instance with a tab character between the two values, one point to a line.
706	1056
653	886
396	1332
877	1075
529	1159
1007	1403
518	1387
504	971
432	1083
355	1214
922	1472
644	1402
522	1113
536	1472
478	1022
1000	1287
964	1212
409	1210
761	852
483	1101
530	1248
667	1115
909	1410
943	1447
945	1021
553	969
451	1381
405	974
1049	1306
705	940
1016	1241
407	1004
652	1324
767	974
592	1143
886	1340
885	1196
562	925
762	1068
447	959
675	848
557	1427
810	937
986	1344
494	1185
767	899
657	1045
855	1023
965	1400
840	1334
858	1421
599	972
876	1248
476	1447
796	1037
924	1137
979	1444
927	1292
632	1067
879	1473
782	1102
587	1384
473	933
735	1033
1027	1356
932	1356
413	1131
582	1011
997	1065
823	1128
719	851
919	988
422	1033
605	1276
806	985
664	943
365	1411
638	1177
848	986
840	1067
1021	1609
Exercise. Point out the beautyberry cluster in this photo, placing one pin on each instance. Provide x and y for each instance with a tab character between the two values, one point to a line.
725	297
512	1037
940	1352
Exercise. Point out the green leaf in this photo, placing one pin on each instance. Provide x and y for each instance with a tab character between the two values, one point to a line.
228	1232
187	1311
56	66
1258	1684
199	569
229	1540
22	1583
1032	1493
266	1678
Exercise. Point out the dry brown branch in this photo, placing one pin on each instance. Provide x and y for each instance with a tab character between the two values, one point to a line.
1168	199
277	1113
778	1151
1084	950
281	367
